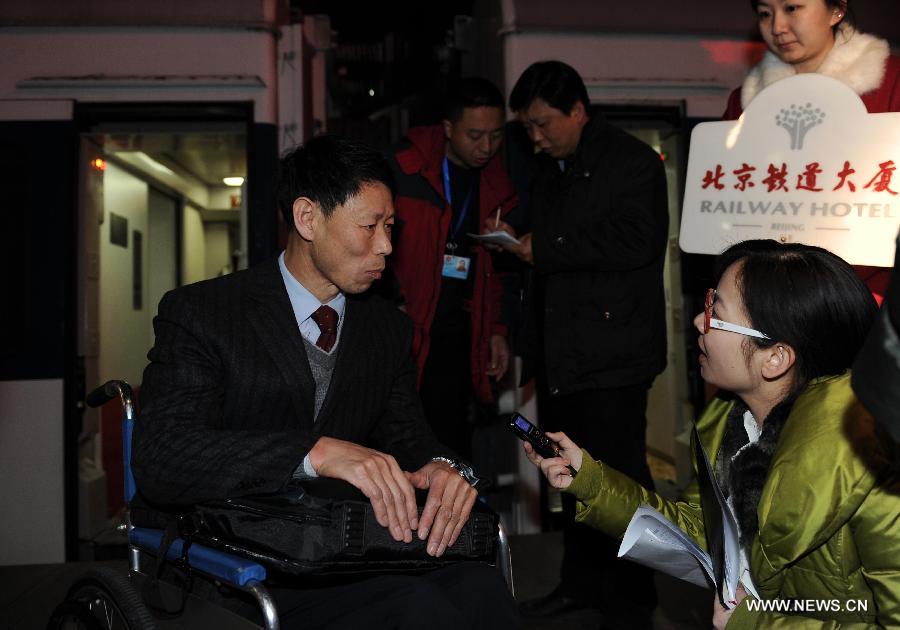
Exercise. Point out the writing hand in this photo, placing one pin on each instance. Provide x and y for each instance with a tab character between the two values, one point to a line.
493	225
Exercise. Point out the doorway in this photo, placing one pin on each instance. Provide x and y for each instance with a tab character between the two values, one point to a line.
161	204
669	408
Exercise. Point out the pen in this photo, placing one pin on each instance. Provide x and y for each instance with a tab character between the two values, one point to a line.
497	222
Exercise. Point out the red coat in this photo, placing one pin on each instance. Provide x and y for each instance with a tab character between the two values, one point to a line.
886	98
424	214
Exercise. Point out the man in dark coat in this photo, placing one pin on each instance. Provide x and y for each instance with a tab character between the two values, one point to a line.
289	370
597	328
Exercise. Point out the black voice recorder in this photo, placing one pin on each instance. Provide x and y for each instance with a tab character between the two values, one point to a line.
527	432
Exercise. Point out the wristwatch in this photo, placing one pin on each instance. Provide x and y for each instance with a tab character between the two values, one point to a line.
465	471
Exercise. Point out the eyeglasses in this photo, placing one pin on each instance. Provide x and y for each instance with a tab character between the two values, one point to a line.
711	322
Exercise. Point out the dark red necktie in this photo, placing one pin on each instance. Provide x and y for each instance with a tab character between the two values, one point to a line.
326	318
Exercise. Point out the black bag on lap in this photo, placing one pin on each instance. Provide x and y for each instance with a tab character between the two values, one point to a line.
323	526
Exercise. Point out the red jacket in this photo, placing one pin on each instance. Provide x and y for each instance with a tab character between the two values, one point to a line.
424	216
885	98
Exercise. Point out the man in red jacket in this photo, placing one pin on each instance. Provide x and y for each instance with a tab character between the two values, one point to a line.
450	180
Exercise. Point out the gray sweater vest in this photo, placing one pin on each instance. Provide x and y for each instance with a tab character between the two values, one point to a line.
322	366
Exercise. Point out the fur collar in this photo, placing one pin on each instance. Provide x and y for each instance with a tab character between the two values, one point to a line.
857	60
742	469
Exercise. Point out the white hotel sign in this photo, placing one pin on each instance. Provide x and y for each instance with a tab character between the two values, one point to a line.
806	164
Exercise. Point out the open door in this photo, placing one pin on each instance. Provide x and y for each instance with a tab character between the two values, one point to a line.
669	408
161	204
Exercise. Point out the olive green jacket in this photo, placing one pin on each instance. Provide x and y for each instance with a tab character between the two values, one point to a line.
828	530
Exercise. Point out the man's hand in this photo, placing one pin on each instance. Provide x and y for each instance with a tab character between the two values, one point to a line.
498	362
523	249
377	475
492	225
447	508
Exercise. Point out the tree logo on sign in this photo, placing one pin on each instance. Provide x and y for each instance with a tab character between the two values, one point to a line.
797	121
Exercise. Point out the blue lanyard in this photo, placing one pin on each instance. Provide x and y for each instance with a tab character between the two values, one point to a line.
447	194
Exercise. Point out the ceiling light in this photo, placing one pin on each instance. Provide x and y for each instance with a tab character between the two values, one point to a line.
233	181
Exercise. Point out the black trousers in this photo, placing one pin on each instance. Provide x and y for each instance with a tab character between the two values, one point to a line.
446	390
611	424
462	595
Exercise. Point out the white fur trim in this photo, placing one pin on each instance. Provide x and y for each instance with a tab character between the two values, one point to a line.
856	59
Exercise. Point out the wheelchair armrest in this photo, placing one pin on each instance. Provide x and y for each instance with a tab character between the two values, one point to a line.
230	568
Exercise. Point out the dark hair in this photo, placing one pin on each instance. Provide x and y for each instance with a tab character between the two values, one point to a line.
328	170
554	82
842	5
806	297
471	92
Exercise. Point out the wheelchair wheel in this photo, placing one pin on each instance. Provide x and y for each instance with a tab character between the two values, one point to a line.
103	599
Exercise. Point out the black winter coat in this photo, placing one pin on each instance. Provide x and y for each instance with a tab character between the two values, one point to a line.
596	305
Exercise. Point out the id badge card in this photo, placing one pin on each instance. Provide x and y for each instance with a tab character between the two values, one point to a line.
456	267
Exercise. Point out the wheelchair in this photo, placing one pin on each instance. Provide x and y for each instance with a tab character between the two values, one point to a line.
105	599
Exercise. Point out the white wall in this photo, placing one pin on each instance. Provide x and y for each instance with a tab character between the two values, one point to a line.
220	197
218	249
190	187
193	252
641	68
31	472
161	250
124	331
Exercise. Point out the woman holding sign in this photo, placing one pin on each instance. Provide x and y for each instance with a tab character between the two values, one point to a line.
818	36
798	459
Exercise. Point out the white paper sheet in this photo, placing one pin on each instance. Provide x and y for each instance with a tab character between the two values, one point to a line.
654	541
496	238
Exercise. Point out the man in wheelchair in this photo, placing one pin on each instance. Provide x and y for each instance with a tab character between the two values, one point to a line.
291	370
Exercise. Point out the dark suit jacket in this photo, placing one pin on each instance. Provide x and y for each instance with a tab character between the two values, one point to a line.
228	395
596	307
